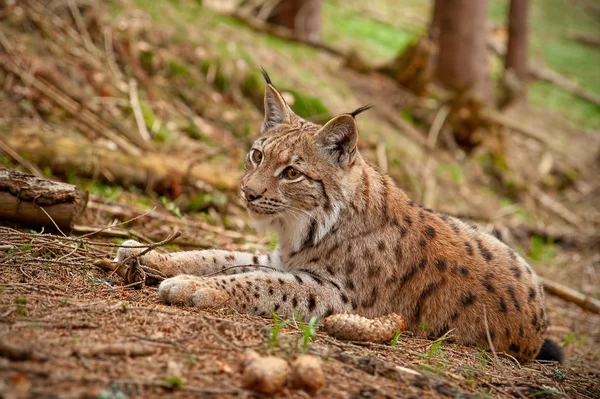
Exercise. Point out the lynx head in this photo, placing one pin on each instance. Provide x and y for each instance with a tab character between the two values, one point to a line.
298	173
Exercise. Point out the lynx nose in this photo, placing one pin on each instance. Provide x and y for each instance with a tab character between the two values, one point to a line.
250	194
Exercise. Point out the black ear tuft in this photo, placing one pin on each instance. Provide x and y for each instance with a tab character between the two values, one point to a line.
265	75
360	110
550	350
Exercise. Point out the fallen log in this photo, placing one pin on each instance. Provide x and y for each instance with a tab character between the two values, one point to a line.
38	202
69	152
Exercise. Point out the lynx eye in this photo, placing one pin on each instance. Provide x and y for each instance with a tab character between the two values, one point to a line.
256	156
290	173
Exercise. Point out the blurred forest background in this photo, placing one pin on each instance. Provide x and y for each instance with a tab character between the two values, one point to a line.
488	110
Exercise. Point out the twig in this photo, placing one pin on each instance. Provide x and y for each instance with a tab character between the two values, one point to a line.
584	301
132	349
548	75
107	231
69	239
119	224
53	222
110	58
497	360
116	209
428	196
137	110
22	161
556	207
521	128
85	35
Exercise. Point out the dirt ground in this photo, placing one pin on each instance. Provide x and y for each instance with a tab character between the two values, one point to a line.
71	330
58	310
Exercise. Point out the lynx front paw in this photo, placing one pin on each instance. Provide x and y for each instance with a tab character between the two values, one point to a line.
191	291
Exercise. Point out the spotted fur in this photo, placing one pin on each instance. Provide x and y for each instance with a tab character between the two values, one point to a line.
350	240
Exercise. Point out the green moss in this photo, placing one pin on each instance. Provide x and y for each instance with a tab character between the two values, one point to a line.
146	58
177	69
309	107
206	200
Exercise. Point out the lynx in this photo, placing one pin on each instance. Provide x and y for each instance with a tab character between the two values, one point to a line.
350	240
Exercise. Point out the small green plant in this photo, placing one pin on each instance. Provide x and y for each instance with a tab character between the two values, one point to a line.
436	346
173	382
278	324
394	340
572	338
541	249
21	311
484	357
21	300
171	207
559	375
309	330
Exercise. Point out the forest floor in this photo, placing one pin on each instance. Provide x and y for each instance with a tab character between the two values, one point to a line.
151	106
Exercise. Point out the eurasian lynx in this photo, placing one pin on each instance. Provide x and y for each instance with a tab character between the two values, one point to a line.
350	240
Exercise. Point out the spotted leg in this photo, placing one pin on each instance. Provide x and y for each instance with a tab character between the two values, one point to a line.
259	292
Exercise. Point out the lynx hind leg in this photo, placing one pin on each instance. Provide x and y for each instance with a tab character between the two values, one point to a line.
152	259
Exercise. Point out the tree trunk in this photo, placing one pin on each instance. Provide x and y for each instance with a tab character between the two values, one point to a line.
434	26
518	27
462	59
303	17
31	201
513	83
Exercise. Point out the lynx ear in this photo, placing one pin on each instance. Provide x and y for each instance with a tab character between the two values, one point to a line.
338	139
276	109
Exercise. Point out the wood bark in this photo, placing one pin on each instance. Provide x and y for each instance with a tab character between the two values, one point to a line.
518	37
303	17
462	59
434	25
69	152
33	201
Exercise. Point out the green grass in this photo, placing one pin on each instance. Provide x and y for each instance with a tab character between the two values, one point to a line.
309	330
436	347
541	249
278	324
551	23
348	28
